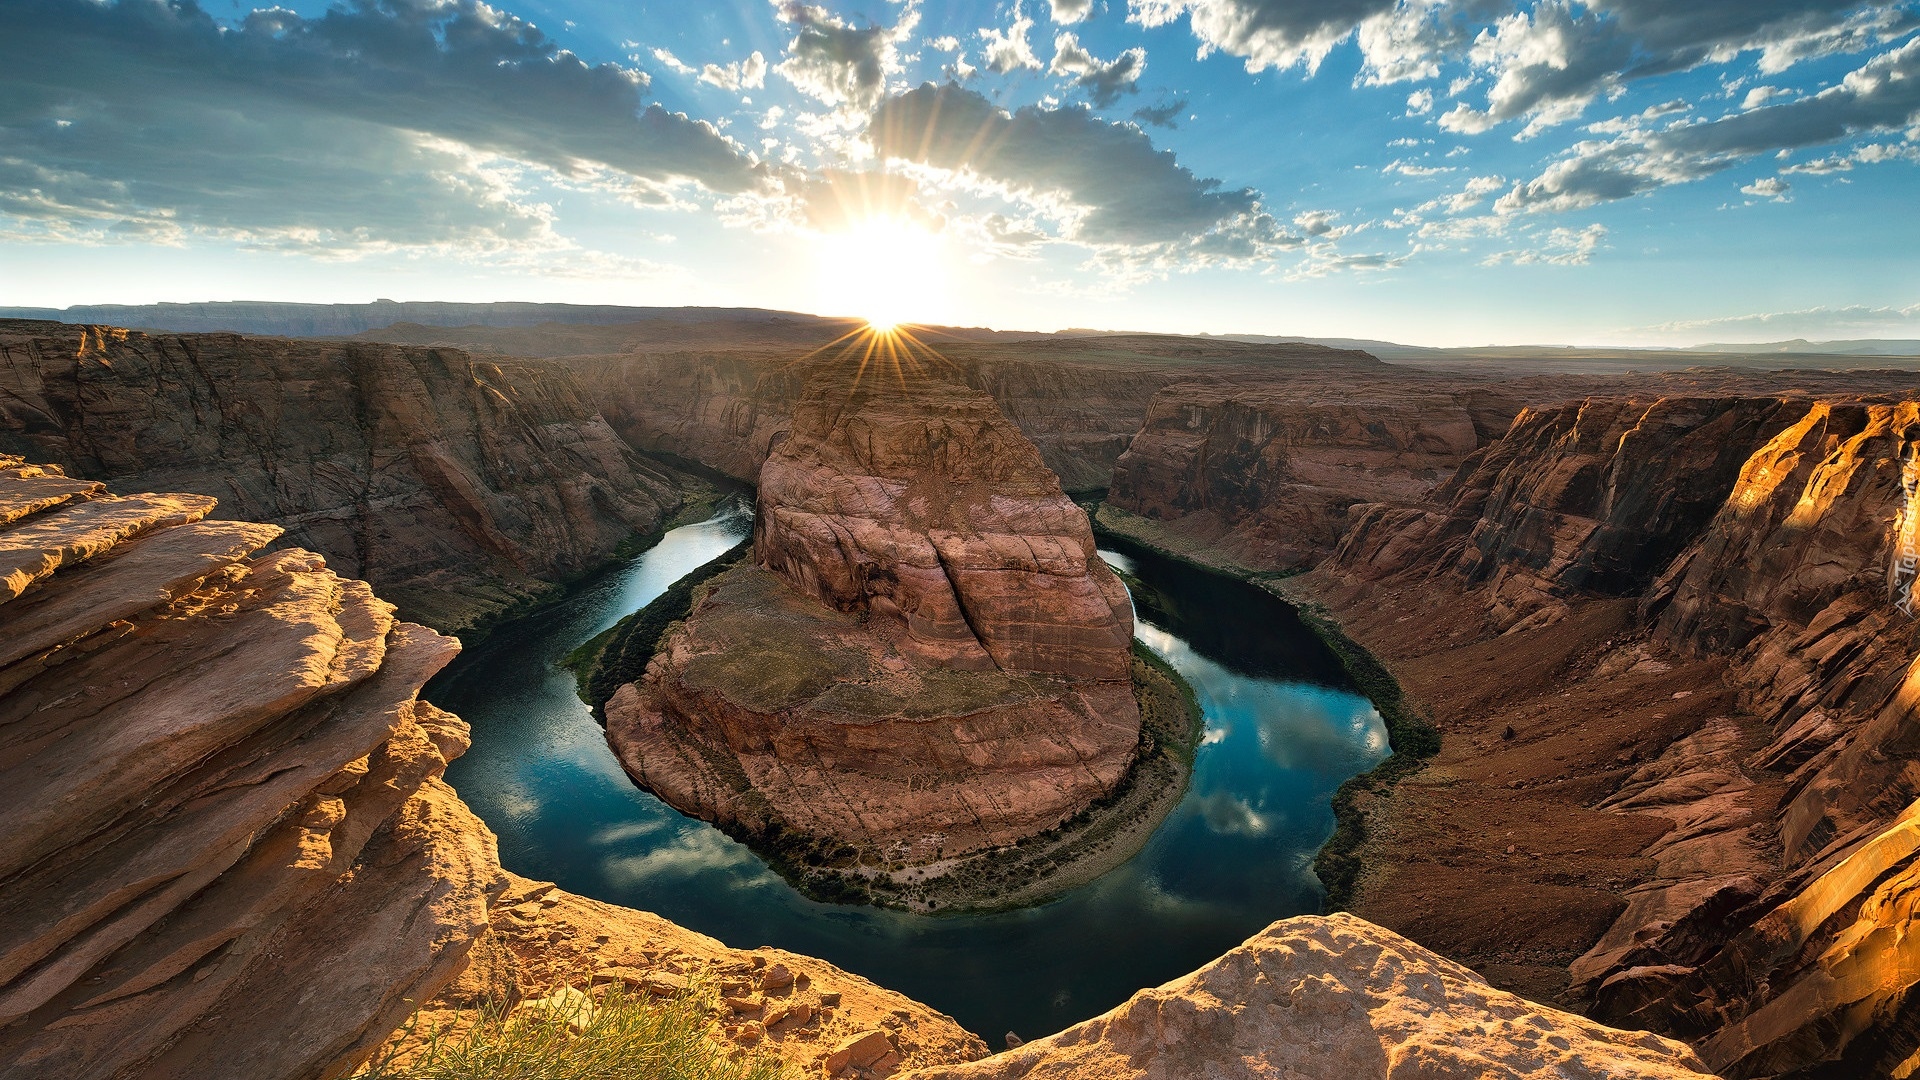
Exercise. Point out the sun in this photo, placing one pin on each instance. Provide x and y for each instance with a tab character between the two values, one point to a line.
886	270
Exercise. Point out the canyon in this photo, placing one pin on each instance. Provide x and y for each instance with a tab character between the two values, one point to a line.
1667	626
1655	617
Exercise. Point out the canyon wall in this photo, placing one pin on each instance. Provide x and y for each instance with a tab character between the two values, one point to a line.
230	853
459	487
1079	400
1755	539
1260	470
928	659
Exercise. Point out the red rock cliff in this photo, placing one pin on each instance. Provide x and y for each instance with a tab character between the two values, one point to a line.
1759	534
458	486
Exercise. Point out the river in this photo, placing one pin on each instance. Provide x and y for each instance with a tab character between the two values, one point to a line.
1283	731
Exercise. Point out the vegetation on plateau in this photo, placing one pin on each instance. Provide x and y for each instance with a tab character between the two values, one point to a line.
570	1036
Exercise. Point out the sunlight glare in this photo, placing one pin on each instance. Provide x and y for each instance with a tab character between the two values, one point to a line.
885	270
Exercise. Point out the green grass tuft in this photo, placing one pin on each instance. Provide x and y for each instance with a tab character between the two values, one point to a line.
621	1036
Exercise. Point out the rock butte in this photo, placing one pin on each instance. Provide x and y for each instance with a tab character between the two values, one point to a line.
927	658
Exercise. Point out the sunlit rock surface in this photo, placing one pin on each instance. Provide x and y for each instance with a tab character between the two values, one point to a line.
1333	998
228	852
1758	536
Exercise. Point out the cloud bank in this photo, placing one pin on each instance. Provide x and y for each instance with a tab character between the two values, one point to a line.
402	122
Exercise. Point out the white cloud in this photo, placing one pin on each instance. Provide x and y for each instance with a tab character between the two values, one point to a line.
1101	184
1768	187
1420	103
1070	11
1555	247
1008	50
672	62
1812	322
1103	80
838	63
1881	95
423	127
748	74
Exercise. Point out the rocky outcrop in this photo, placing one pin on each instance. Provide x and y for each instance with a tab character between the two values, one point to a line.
1593	497
1259	471
927	660
459	487
222	799
798	1009
1332	998
922	506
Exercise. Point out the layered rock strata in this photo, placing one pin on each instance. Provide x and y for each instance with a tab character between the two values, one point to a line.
1079	400
1668	545
459	487
230	854
228	849
1332	998
1259	471
927	659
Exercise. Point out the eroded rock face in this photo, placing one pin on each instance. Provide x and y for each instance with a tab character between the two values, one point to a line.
796	1008
1260	472
1760	534
1079	400
457	486
1332	998
921	505
1593	497
929	658
228	852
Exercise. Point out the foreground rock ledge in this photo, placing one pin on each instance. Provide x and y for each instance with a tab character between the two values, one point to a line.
1333	998
928	660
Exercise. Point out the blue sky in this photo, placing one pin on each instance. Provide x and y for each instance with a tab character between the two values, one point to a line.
1428	171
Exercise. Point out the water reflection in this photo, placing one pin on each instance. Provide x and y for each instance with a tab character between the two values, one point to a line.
1282	733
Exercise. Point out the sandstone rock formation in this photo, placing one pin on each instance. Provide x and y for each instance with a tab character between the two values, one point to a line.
222	799
1079	400
1594	497
1332	998
458	487
1259	471
796	1008
1755	538
929	659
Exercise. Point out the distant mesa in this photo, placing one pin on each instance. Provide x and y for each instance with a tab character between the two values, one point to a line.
925	658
